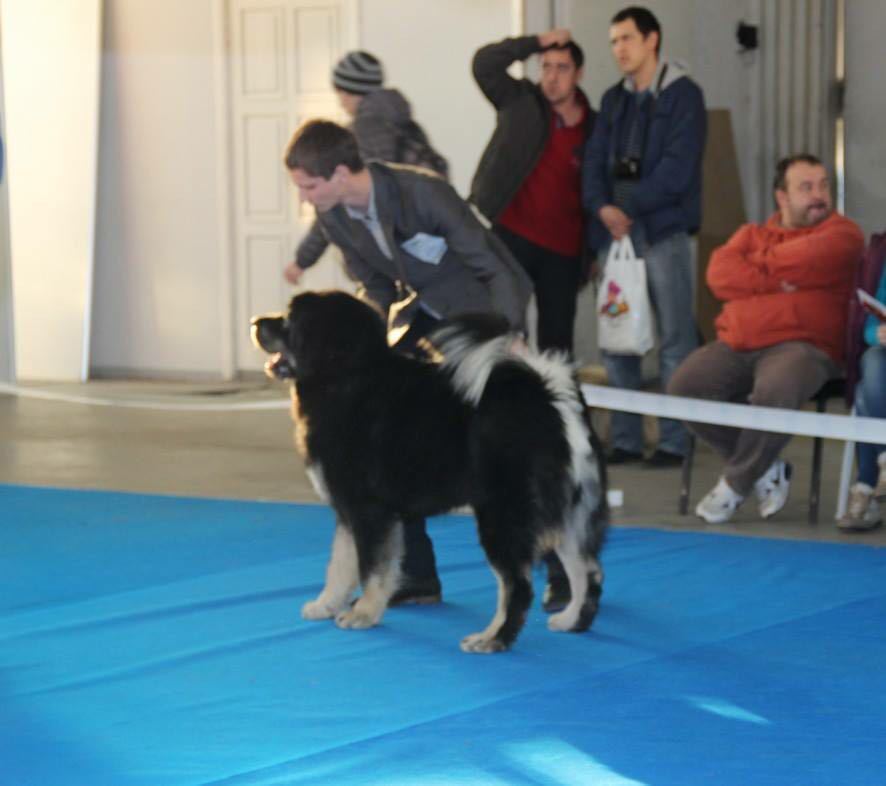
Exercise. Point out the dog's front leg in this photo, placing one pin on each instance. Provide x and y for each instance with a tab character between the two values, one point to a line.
342	577
382	575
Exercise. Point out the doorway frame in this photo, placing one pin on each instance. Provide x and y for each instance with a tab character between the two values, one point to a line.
225	164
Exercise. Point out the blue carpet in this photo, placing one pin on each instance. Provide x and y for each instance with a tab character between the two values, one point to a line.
157	641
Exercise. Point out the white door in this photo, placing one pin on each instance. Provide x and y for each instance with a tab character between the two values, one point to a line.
281	57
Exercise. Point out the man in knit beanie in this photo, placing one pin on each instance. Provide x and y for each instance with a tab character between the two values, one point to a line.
355	75
385	131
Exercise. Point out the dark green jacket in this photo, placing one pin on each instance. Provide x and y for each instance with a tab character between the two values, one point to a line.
522	125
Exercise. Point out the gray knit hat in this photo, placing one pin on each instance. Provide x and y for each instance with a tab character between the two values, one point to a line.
358	72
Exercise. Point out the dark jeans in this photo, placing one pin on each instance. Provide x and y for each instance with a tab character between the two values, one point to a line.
555	279
870	402
419	563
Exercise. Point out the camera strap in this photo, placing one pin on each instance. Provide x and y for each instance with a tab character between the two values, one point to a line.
618	111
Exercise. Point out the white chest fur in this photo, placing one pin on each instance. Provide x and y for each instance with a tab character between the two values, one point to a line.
315	475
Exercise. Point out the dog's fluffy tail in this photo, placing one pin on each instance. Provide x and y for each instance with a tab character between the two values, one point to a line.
470	346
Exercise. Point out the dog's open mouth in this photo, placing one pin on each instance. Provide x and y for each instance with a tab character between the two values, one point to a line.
278	366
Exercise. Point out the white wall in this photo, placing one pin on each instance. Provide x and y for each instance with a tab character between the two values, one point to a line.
865	115
7	356
426	47
51	63
158	272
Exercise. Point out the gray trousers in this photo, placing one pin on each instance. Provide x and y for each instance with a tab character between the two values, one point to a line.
784	375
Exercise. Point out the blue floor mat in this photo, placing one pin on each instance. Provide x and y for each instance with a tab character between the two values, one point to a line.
156	641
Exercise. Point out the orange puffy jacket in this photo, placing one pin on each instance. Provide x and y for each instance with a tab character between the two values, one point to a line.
748	272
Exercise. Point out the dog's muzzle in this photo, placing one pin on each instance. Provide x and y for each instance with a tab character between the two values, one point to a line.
267	335
278	366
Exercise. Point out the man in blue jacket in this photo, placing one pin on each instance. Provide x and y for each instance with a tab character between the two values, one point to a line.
642	177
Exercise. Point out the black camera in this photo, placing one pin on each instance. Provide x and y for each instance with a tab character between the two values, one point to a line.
626	168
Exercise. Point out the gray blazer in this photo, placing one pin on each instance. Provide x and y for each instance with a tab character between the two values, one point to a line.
476	273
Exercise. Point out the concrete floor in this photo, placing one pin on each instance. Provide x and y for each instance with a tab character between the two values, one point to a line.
249	455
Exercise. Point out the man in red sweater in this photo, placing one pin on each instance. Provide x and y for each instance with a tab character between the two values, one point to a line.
528	180
780	336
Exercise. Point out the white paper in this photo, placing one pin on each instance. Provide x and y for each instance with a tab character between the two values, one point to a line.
873	304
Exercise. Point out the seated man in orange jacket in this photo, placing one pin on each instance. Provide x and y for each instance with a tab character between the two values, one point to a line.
785	286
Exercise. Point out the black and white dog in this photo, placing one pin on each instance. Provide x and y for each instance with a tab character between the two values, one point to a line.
387	437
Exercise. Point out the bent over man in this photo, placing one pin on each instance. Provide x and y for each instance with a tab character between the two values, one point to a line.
405	235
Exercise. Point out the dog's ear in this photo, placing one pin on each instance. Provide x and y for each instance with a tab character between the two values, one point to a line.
269	333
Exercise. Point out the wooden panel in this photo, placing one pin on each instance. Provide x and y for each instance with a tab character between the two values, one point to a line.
722	210
262	53
264	181
315	48
283	52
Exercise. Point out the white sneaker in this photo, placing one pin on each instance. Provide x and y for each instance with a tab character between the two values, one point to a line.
718	505
773	487
862	512
880	490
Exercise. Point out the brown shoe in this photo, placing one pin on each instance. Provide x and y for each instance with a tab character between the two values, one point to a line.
880	488
423	592
862	512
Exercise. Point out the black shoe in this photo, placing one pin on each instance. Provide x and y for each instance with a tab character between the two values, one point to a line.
422	592
662	459
557	594
621	456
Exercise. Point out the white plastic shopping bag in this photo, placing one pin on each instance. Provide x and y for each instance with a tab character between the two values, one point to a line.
624	315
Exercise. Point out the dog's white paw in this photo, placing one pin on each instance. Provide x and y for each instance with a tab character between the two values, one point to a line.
356	617
317	610
482	643
562	621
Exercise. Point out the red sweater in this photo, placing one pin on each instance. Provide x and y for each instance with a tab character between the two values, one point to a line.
547	209
747	273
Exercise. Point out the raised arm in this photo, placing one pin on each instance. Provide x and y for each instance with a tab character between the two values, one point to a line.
490	68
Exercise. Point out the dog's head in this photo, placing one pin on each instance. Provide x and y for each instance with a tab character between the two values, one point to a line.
323	333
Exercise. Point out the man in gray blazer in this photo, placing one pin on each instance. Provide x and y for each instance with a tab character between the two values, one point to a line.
418	251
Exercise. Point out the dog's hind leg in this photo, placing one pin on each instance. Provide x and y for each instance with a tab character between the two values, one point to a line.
592	597
381	572
577	573
584	530
585	578
342	577
586	585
